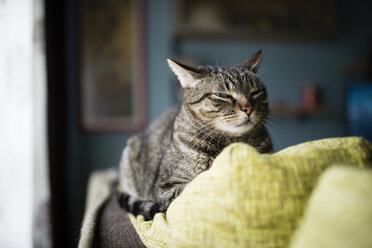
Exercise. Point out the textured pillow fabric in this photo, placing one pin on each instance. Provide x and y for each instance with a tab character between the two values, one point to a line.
339	212
247	199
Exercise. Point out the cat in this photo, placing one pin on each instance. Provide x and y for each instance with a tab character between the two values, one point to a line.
220	106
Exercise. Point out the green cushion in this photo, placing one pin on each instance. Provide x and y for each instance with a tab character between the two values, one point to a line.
339	212
247	199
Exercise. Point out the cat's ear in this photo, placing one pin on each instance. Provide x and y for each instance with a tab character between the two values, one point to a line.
253	62
187	75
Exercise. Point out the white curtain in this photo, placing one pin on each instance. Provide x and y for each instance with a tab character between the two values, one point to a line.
24	187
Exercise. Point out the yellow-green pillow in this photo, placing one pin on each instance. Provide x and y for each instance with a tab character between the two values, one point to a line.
339	211
247	199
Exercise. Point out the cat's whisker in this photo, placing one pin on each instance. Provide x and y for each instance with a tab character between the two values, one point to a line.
273	134
208	133
279	121
272	125
216	133
201	125
212	135
274	130
263	70
194	135
202	139
201	129
218	142
205	138
266	68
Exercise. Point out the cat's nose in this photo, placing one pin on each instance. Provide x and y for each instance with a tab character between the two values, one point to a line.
248	109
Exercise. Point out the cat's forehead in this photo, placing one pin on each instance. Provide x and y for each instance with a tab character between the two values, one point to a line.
229	72
232	77
236	72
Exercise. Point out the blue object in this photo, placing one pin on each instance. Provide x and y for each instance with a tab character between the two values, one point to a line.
359	109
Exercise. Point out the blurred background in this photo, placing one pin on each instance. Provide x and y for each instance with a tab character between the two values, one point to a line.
106	77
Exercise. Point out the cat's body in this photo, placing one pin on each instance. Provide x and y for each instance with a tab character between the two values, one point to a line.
220	106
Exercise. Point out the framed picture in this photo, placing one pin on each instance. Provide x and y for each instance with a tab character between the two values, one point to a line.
112	65
255	19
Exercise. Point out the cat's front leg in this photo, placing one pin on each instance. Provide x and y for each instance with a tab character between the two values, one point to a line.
169	192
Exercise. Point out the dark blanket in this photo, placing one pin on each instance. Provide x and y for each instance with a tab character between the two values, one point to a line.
114	227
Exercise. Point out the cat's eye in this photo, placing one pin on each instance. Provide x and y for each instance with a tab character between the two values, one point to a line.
222	95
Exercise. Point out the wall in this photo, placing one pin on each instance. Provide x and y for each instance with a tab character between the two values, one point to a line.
291	65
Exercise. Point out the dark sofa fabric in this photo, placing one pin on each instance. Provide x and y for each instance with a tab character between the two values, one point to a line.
114	227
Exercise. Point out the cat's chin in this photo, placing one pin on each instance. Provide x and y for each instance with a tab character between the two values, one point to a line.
235	130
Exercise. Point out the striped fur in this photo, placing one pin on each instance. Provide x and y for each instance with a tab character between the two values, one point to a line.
220	106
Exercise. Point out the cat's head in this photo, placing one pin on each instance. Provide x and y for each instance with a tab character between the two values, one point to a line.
231	99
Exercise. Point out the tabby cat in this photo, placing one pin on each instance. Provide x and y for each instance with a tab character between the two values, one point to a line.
220	106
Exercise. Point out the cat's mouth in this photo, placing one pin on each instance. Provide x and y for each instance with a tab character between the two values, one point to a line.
248	121
238	127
